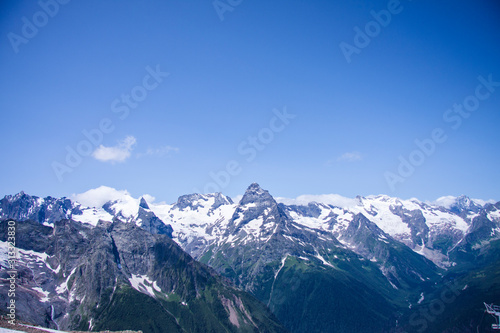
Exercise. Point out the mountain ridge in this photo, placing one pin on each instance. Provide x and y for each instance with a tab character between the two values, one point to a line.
393	250
431	230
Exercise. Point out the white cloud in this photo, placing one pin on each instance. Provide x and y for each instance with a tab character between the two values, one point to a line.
446	201
123	200
237	198
118	153
162	151
449	200
350	156
484	202
149	198
328	199
99	196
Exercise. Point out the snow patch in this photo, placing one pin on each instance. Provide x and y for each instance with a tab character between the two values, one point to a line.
63	287
144	285
92	216
45	294
326	263
421	298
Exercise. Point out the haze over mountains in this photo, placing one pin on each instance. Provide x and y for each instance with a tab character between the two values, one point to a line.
319	263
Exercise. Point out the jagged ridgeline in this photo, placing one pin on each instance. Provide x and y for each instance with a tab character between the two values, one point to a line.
118	276
319	263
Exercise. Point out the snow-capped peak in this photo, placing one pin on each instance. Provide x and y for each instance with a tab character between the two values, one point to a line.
199	220
254	194
461	204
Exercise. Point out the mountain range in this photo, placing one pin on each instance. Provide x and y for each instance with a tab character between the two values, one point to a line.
208	263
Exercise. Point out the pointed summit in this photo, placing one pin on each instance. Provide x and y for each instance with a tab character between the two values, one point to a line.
255	186
256	216
464	204
148	220
255	194
143	203
18	196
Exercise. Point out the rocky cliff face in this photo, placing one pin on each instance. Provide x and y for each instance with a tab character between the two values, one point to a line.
119	276
148	221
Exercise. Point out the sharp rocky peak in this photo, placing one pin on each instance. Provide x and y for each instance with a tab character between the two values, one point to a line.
464	201
19	196
463	204
143	203
255	194
256	205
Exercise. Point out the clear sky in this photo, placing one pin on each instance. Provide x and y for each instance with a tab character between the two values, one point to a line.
303	97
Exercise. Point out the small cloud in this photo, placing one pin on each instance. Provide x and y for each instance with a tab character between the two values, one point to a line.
149	198
237	198
346	157
328	199
97	197
159	152
350	157
118	153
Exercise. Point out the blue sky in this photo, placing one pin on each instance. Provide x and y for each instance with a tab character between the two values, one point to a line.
264	95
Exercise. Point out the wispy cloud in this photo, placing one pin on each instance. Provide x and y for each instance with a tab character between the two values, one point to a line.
329	199
350	157
159	152
118	153
345	157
